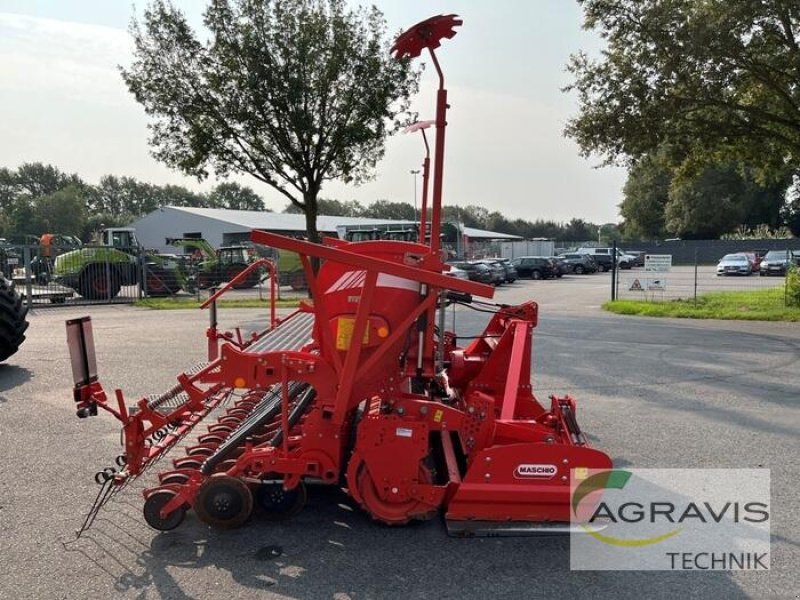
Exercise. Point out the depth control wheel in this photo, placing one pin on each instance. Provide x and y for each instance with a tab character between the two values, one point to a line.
224	502
278	503
152	511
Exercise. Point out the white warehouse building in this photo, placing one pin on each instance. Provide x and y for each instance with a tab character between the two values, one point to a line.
221	227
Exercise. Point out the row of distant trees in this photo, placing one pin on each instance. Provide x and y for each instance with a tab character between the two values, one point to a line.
37	198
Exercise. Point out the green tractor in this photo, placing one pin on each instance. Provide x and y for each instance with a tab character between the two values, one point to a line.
99	271
209	266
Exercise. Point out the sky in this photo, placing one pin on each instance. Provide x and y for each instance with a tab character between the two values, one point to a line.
63	102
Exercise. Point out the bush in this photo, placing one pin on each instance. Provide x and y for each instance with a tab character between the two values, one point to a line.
793	286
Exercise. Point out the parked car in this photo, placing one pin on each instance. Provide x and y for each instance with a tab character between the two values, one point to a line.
475	271
603	258
497	270
535	267
457	272
734	264
511	271
637	255
579	264
775	262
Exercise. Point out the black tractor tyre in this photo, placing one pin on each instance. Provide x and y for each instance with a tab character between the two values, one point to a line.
250	281
12	319
97	282
161	282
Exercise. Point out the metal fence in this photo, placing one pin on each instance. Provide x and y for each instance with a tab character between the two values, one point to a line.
689	282
92	274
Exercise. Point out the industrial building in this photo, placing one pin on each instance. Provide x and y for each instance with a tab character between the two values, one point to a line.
222	227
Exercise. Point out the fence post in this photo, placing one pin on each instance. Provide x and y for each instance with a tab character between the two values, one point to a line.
26	259
695	277
614	271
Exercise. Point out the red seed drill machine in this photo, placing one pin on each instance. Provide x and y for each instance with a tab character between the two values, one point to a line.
361	388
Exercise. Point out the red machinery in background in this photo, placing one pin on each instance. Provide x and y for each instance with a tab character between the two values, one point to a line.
360	389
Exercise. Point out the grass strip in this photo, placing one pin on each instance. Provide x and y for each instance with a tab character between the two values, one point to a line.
184	303
756	305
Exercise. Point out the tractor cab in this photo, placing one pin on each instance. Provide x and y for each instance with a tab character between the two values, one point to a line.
235	255
123	238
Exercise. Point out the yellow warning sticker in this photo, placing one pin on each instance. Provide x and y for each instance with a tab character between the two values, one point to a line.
344	332
437	416
580	473
636	286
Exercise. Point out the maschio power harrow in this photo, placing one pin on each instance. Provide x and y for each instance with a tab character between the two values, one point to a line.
360	388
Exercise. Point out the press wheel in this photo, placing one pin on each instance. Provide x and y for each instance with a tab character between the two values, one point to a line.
278	503
224	502
152	511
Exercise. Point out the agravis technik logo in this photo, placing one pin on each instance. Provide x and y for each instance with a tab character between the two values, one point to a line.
670	519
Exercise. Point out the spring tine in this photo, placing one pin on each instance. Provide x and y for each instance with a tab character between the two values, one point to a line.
100	500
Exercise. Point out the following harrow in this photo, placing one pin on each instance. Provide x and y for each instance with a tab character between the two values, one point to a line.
363	388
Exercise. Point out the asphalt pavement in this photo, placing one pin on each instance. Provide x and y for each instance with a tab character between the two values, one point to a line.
651	393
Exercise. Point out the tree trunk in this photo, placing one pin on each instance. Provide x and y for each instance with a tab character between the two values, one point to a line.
310	201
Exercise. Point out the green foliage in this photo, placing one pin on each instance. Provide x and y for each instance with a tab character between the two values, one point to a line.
233	196
292	92
793	286
645	197
384	209
759	232
331	208
716	81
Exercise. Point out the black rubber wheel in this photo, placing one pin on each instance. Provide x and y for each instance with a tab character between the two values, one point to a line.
579	270
175	479
161	282
250	281
152	511
224	502
12	319
297	281
601	268
98	283
536	274
279	504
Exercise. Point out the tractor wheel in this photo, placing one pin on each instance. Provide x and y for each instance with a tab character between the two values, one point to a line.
161	282
224	502
297	281
250	281
279	504
98	283
12	319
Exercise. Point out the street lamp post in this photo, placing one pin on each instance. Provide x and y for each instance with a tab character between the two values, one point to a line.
415	172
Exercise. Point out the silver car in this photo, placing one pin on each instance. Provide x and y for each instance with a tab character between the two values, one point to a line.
734	264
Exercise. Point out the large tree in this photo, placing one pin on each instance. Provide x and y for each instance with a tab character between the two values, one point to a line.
234	196
645	196
292	92
715	79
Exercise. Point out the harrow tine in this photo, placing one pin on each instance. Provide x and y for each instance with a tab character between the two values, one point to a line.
106	492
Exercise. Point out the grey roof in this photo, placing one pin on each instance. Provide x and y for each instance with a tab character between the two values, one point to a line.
270	221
